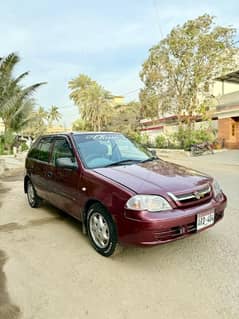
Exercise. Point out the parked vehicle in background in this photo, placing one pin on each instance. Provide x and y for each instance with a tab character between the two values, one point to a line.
199	149
119	191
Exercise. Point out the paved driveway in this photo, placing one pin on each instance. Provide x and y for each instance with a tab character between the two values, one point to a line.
52	271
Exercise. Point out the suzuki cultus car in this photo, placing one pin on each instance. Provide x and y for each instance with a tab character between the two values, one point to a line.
119	191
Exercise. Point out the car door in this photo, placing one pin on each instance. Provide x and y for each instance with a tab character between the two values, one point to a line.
38	165
64	183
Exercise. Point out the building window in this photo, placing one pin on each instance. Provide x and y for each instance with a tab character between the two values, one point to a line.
233	129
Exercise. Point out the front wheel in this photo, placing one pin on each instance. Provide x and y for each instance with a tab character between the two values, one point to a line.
101	230
33	200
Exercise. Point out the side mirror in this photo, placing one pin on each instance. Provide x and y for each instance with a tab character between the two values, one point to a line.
66	162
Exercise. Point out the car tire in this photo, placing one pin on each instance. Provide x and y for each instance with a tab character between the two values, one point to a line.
101	230
33	199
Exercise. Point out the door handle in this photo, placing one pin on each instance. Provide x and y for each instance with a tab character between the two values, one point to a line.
49	174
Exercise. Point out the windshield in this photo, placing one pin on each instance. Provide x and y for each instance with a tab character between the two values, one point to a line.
102	150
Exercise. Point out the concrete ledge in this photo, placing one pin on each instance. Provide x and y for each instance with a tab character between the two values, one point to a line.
165	152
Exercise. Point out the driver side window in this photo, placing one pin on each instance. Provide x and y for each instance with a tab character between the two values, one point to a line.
62	149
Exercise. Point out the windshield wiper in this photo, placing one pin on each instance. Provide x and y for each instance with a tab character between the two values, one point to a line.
127	161
150	159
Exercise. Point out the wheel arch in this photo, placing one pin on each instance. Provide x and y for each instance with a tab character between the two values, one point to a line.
88	204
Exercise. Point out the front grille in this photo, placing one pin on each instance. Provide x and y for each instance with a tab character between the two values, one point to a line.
175	232
198	196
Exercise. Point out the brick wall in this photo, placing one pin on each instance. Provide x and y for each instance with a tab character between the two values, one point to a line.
225	132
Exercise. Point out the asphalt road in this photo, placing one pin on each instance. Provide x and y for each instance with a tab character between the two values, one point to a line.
48	269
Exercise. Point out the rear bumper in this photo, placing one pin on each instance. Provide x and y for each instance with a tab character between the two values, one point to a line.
148	229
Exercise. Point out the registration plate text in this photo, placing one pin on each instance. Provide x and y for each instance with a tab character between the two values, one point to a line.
205	219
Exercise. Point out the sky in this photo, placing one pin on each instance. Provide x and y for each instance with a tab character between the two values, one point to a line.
105	39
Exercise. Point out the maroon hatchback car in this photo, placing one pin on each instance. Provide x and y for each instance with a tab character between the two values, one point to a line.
119	190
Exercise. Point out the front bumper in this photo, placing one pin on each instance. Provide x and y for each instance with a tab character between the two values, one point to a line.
148	229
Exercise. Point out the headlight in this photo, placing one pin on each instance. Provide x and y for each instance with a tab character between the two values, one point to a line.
148	202
216	189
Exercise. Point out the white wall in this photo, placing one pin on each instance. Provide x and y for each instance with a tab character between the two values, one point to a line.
1	126
217	88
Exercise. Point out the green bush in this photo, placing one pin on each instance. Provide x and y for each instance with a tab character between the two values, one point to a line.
186	137
145	140
135	136
161	141
142	139
1	147
6	143
24	147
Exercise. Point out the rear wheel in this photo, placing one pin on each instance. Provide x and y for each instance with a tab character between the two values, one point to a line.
101	230
33	200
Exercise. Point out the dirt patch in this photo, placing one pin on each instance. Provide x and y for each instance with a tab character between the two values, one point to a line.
12	178
13	175
4	190
7	309
15	178
32	223
10	227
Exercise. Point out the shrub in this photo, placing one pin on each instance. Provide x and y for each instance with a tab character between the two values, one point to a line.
142	139
187	137
7	141
24	146
1	147
135	136
145	140
161	141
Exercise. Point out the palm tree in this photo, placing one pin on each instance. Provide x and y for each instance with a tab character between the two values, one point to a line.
93	101
54	115
37	124
16	103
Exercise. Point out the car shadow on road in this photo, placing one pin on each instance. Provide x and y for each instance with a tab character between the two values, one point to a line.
167	256
169	251
54	215
57	215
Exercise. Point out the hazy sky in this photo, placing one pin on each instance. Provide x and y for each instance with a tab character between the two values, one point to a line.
108	40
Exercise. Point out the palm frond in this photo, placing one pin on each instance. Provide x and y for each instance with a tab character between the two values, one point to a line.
7	64
28	91
16	103
20	77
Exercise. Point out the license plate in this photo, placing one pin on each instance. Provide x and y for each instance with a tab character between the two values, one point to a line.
205	220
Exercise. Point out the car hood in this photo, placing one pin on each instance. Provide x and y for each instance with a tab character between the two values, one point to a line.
155	177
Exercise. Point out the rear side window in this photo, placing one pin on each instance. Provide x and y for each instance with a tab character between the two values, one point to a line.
41	151
33	153
44	150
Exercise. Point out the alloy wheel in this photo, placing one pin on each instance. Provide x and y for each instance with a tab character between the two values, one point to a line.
99	230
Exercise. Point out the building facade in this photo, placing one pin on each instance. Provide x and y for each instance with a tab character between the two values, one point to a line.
225	114
227	110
